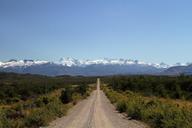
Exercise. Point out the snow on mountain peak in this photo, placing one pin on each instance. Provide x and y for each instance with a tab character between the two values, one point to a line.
180	64
74	62
106	61
20	63
70	62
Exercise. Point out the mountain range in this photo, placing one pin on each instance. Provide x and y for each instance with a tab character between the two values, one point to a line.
101	67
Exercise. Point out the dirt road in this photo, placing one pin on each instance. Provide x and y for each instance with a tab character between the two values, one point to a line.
95	112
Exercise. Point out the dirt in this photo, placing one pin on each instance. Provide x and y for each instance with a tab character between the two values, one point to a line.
95	112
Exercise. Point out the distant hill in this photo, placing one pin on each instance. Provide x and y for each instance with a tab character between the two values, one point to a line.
177	70
101	67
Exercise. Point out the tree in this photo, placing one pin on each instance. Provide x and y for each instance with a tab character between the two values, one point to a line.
82	89
66	96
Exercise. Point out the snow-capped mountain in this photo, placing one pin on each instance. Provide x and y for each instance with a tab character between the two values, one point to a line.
69	62
21	63
179	69
82	63
71	66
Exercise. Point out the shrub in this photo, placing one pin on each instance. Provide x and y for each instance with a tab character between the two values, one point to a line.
36	118
121	106
45	100
66	95
39	102
76	97
157	113
42	116
56	109
5	122
82	89
1	118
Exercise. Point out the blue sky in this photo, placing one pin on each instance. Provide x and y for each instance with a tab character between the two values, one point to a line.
148	30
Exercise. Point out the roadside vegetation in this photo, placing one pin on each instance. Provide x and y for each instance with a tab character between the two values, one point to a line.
162	102
156	113
35	101
179	87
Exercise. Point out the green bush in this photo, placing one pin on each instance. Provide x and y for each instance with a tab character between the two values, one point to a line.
36	118
121	106
57	109
76	97
66	95
82	89
7	122
155	112
42	116
1	118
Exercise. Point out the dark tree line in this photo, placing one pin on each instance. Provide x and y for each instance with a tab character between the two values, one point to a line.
163	86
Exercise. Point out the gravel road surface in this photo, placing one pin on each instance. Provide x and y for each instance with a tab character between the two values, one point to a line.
95	112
